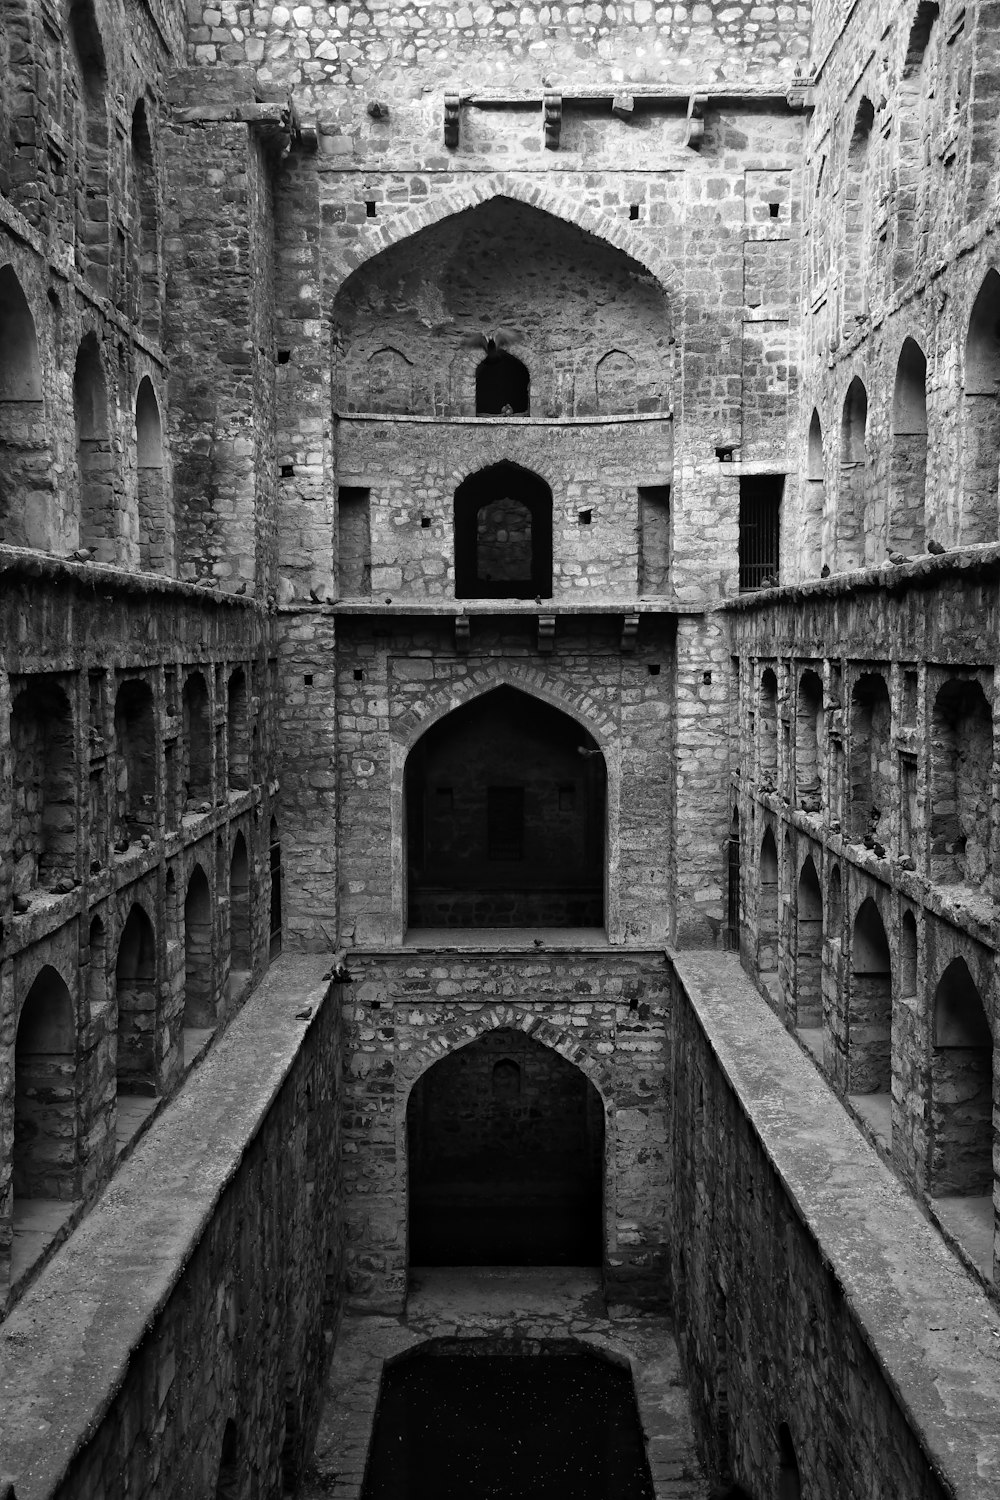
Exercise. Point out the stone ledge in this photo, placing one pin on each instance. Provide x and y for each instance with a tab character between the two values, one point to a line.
66	1347
933	1332
929	567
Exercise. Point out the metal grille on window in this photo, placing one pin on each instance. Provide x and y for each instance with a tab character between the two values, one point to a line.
760	509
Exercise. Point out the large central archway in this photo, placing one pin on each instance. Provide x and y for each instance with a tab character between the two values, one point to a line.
505	814
505	1139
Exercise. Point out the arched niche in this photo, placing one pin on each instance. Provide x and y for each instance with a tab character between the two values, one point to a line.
908	451
854	477
809	947
43	786
767	732
97	967
767	905
808	742
961	1087
390	382
87	120
913	105
155	528
199	968
857	215
135	744
506	807
981	416
145	270
135	982
503	384
94	459
275	906
789	1481
45	1116
197	741
871	786
732	933
814	500
961	784
506	1148
869	1051
228	1480
238	731
503	535
617	382
26	498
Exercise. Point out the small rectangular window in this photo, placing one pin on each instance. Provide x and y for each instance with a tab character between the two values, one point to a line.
505	822
760	512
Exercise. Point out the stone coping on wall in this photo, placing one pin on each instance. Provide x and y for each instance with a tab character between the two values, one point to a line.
929	567
455	608
408	419
65	1348
25	562
933	1331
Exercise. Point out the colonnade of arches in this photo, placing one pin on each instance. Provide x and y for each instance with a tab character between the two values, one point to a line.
135	773
863	501
116	514
854	976
127	992
841	758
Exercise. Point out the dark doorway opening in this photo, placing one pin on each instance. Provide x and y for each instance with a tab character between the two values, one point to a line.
506	1153
505	812
502	385
503	535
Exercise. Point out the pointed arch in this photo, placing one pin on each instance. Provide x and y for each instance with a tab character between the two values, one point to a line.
199	973
814	499
44	1161
26	496
857	215
908	450
88	138
154	526
854	477
808	742
503	384
381	234
135	982
503	534
961	1086
808	987
910	228
94	459
767	908
145	277
240	937
981	416
869	1038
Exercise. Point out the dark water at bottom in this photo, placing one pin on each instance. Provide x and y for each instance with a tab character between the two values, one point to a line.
507	1427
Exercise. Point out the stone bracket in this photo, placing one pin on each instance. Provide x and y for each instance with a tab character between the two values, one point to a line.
553	120
630	632
622	106
452	119
694	132
463	633
546	633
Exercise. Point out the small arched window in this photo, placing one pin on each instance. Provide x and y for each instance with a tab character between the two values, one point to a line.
502	384
503	535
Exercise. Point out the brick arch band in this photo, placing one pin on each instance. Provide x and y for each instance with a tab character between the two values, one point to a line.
441	701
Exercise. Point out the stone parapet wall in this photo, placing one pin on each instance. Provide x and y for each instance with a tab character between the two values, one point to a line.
179	1341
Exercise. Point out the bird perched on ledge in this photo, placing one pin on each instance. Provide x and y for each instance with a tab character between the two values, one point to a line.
936	548
339	973
897	558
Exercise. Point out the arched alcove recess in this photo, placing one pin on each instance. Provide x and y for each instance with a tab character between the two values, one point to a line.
505	815
274	860
869	1038
961	1087
767	905
908	955
88	139
908	451
503	535
197	742
155	529
45	1119
390	382
475	256
617	383
789	1482
135	742
961	783
809	947
814	501
767	721
732	933
911	123
857	216
240	942
871	788
238	731
227	1483
43	786
503	384
94	462
808	742
853	496
135	983
145	278
981	417
199	970
97	968
506	1154
26	498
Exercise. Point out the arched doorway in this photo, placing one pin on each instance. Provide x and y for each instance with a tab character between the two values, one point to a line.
505	815
505	1140
869	1047
503	535
44	1163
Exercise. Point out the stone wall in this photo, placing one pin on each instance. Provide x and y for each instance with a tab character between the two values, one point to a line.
177	1346
600	1010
